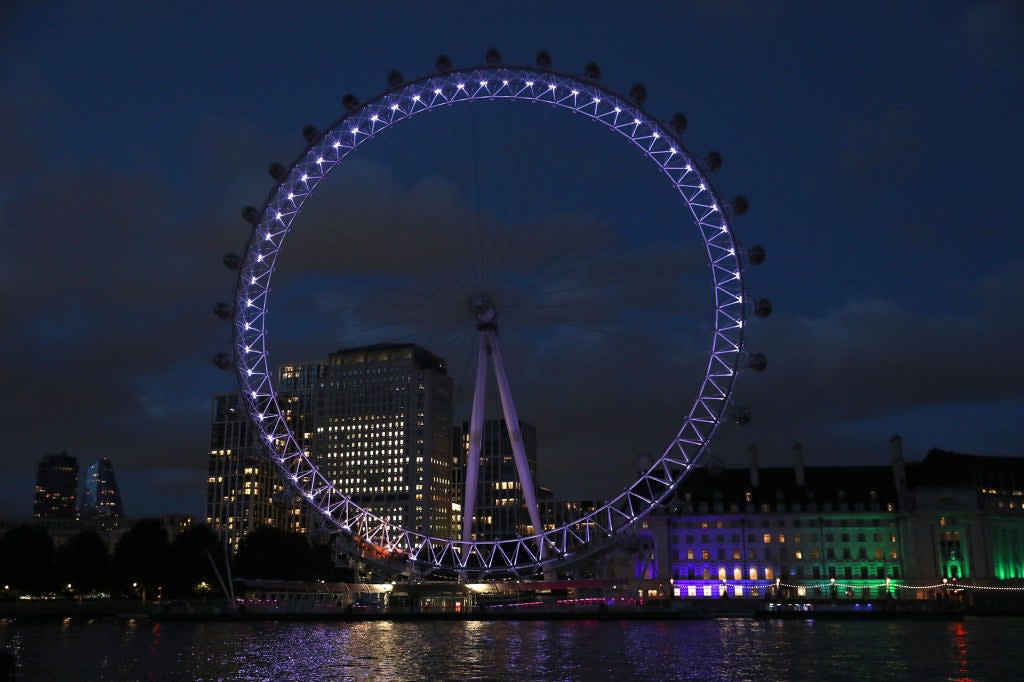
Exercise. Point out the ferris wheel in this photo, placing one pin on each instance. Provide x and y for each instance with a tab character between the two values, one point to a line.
369	534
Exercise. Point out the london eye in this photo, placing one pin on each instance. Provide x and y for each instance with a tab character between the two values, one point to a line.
702	209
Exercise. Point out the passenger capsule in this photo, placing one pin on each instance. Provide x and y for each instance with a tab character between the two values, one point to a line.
592	71
679	123
741	415
638	93
310	133
758	362
762	307
739	205
277	171
713	161
493	57
350	102
250	214
543	59
443	64
395	78
222	361
232	261
223	310
756	254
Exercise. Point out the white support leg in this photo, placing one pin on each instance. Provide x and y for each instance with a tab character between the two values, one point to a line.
515	434
476	428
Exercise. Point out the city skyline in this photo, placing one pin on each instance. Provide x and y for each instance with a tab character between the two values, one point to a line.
890	315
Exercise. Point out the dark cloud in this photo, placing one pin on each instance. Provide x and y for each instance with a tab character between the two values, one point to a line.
123	174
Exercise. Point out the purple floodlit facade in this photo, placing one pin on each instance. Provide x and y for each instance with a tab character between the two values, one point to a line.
374	537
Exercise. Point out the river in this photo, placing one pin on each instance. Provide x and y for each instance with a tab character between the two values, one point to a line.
730	649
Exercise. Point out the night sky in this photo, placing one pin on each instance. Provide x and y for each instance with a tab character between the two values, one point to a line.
880	151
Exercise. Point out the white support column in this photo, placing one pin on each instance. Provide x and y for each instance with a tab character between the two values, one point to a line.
476	427
515	433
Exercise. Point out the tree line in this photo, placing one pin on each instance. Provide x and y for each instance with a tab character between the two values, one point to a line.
146	563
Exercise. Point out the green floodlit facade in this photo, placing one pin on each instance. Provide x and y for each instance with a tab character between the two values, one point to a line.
848	532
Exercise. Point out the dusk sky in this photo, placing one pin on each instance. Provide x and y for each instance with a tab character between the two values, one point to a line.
879	150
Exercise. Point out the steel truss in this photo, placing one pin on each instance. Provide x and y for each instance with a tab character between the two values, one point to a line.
374	537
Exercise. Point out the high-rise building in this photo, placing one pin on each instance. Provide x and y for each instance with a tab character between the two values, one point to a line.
500	509
56	487
101	498
378	422
243	491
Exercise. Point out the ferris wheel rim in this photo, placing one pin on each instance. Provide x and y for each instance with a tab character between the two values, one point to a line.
423	552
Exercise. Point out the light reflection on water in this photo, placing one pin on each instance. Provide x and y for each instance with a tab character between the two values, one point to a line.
739	649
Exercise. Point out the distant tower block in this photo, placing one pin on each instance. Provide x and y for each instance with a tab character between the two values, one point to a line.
101	498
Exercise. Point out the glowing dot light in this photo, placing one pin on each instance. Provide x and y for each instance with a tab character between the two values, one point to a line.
415	98
437	91
375	118
394	107
529	84
483	84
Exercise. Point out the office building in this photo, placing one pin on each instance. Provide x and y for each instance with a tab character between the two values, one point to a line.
56	487
243	491
500	510
101	498
378	422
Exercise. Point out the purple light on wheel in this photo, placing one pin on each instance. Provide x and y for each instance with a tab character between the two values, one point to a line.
684	450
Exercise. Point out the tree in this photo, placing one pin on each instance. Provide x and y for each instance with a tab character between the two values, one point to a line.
27	559
140	556
189	560
84	563
270	553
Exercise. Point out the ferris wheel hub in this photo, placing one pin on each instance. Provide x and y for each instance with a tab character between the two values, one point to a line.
482	308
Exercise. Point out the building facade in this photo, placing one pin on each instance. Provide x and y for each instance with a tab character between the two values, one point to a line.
56	492
500	508
861	531
243	491
377	420
101	498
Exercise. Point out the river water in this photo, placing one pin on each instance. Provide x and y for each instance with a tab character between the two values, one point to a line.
733	649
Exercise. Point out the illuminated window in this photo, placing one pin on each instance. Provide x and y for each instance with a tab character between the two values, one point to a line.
689	554
782	539
737	573
767	538
768	573
753	573
691	590
798	555
721	572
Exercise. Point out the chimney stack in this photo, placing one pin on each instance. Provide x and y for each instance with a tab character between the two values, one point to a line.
899	473
755	478
798	463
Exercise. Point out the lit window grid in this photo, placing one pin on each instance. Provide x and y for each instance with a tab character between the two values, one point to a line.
654	140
